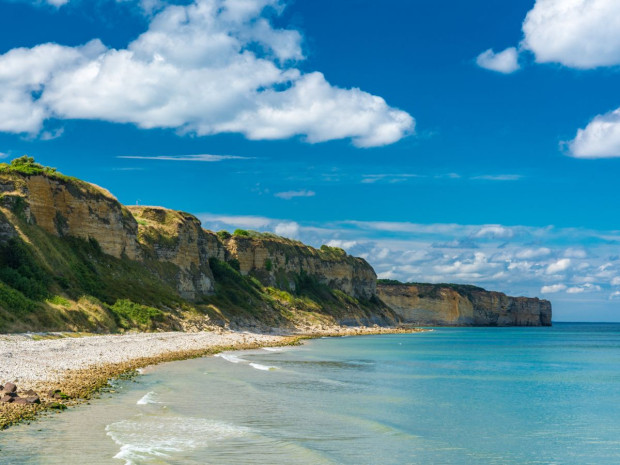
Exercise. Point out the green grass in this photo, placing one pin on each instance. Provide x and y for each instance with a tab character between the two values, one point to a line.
132	315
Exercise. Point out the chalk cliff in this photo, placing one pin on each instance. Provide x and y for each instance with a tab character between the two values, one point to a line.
461	305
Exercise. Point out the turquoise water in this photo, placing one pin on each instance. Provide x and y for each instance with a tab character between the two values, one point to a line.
451	396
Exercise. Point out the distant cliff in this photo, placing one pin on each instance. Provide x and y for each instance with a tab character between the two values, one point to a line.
461	305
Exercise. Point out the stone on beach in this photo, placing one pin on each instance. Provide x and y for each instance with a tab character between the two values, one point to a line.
10	387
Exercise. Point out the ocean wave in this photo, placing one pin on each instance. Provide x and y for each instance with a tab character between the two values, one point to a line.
231	358
148	398
274	349
258	366
147	438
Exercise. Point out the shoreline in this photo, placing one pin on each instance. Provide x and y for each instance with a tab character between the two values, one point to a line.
80	367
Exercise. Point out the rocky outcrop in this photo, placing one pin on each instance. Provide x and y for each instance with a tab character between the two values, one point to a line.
177	238
460	305
280	262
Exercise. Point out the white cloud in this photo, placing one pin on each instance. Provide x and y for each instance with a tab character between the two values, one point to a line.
342	244
615	281
576	33
553	288
498	177
215	222
389	178
533	253
288	229
288	195
614	295
585	288
599	139
193	71
202	157
505	62
495	231
559	266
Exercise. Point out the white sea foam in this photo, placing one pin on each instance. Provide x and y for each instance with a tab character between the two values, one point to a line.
148	398
274	349
231	358
258	366
146	438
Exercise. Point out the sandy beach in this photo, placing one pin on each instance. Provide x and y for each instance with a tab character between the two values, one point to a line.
80	366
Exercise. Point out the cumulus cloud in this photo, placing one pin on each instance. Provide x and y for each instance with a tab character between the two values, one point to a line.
288	195
599	139
553	288
588	287
533	253
559	266
495	231
287	229
505	62
576	33
614	295
213	66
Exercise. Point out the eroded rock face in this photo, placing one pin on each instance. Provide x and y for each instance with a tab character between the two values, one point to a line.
177	238
280	263
429	304
86	211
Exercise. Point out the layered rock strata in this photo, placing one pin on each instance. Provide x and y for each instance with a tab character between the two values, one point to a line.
454	305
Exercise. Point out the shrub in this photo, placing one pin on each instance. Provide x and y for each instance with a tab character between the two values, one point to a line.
224	235
241	232
26	165
130	314
268	264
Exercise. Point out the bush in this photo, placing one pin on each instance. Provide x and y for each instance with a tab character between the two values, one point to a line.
224	235
268	264
19	270
26	165
14	301
130	314
241	232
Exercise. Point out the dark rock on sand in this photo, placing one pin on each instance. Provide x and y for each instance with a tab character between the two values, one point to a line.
10	387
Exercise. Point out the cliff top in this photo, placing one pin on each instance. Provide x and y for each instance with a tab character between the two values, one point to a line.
26	167
456	287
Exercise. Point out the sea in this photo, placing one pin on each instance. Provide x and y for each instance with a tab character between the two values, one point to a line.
447	396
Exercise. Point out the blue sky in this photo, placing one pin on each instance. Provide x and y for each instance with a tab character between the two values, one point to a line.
474	142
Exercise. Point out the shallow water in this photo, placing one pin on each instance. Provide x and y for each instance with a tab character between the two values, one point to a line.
452	396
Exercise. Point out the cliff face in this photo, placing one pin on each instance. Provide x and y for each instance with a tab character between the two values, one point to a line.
453	305
76	209
67	207
177	238
280	262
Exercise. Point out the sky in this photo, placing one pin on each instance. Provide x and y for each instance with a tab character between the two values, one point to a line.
444	141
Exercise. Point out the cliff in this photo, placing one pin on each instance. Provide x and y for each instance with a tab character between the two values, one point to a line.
460	305
73	257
